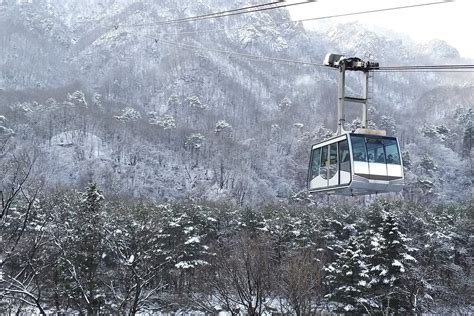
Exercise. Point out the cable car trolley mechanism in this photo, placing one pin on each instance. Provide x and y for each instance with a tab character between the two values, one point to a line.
361	162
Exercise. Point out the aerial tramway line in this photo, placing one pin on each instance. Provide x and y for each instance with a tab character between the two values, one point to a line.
363	161
357	162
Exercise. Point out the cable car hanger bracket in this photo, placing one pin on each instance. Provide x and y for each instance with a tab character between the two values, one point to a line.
350	64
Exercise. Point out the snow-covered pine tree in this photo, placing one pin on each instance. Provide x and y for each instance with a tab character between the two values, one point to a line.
348	277
465	119
184	239
468	140
129	114
388	256
334	237
388	123
285	104
78	98
91	243
83	251
251	220
174	104
136	263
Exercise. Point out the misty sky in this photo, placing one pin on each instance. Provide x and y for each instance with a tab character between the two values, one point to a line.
451	21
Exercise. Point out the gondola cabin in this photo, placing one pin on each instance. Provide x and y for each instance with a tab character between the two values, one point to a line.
356	163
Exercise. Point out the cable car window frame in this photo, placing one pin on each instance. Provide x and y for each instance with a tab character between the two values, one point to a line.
368	140
356	140
313	172
375	147
393	143
325	166
346	165
333	160
333	164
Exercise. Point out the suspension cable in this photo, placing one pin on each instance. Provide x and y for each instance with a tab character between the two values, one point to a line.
249	56
405	68
437	68
221	14
206	31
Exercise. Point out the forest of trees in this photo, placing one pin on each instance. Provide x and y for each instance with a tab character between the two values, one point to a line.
156	240
87	253
189	151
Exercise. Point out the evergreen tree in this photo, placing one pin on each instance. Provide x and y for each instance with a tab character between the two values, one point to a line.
348	276
388	256
77	98
389	124
184	240
91	244
284	105
467	142
465	119
84	252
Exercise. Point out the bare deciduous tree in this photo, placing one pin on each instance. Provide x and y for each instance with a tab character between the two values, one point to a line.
300	281
244	273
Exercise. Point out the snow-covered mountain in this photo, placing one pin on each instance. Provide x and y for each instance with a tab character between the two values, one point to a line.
108	68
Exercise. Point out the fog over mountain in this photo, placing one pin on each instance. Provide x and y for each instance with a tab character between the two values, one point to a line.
99	93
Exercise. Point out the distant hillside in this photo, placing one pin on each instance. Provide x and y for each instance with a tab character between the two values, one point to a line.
177	123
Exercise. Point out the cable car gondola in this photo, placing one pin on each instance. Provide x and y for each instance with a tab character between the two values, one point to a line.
355	163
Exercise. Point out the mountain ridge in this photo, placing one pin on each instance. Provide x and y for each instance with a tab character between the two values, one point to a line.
121	66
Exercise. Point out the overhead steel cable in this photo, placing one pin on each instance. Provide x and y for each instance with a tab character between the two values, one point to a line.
309	19
214	14
221	14
456	67
467	68
249	56
429	66
470	70
376	10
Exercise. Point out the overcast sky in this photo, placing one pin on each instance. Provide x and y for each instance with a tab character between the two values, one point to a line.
452	21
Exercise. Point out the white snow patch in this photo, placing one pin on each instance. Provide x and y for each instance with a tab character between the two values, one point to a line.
349	307
296	232
188	229
362	283
193	240
91	145
190	264
409	258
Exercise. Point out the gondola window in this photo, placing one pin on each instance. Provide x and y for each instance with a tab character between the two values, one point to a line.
315	163
391	150
358	148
